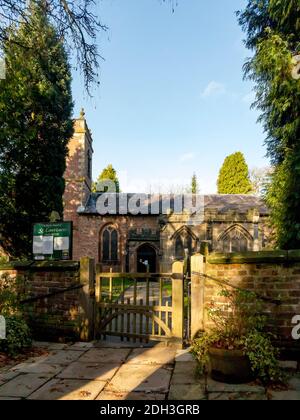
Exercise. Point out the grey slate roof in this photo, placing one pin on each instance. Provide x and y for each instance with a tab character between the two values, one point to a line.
241	203
221	203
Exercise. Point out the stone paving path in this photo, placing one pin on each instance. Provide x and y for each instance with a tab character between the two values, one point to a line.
185	385
111	371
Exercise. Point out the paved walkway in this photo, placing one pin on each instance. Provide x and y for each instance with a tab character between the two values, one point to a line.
106	371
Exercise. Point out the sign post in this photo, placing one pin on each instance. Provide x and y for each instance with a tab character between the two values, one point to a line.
52	241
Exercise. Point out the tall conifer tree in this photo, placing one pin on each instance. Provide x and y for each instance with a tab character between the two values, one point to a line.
273	33
36	125
234	176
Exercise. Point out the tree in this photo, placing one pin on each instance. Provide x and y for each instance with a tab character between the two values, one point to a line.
234	176
273	33
35	118
194	184
74	22
110	174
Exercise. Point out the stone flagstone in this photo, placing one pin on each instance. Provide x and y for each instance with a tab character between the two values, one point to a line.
63	357
186	392
184	356
95	371
103	373
285	395
229	396
294	382
214	386
7	376
81	346
152	356
141	378
185	373
23	385
105	355
68	389
131	396
37	367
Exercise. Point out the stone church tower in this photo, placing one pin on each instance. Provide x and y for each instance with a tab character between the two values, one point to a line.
78	175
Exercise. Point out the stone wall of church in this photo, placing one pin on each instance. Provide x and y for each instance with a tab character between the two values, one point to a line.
88	237
219	231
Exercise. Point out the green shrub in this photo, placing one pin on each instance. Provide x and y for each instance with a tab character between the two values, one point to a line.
263	356
18	336
17	330
9	296
240	324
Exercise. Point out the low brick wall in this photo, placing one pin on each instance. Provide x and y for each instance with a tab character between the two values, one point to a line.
62	313
274	275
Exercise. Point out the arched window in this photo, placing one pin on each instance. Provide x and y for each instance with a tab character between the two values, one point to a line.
184	239
109	244
235	239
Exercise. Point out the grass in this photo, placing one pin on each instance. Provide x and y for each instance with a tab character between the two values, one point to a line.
117	285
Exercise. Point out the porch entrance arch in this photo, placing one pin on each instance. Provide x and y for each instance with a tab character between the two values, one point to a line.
146	253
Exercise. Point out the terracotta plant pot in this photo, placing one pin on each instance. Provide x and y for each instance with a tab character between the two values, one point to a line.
229	366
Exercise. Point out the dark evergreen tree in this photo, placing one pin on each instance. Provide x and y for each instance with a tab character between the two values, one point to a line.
273	33
35	120
234	176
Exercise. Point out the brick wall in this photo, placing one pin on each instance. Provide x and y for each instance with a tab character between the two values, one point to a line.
274	275
91	227
62	314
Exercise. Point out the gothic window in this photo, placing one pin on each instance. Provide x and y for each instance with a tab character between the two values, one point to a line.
184	240
235	239
109	244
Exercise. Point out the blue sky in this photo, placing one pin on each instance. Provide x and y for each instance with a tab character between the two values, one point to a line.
172	99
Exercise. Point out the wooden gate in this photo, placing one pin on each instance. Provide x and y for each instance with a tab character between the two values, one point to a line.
140	307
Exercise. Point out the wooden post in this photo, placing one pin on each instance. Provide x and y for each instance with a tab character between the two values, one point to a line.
197	294
86	299
98	283
177	302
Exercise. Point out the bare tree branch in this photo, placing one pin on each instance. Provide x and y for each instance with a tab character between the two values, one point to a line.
74	22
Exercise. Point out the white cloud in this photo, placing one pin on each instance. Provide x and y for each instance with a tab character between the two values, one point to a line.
214	88
186	157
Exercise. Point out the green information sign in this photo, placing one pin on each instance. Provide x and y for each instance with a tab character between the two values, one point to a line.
52	241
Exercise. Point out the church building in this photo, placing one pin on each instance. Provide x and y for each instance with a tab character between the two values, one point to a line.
231	223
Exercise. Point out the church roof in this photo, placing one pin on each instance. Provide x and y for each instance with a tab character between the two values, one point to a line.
220	203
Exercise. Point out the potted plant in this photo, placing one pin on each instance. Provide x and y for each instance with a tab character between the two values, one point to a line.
237	348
